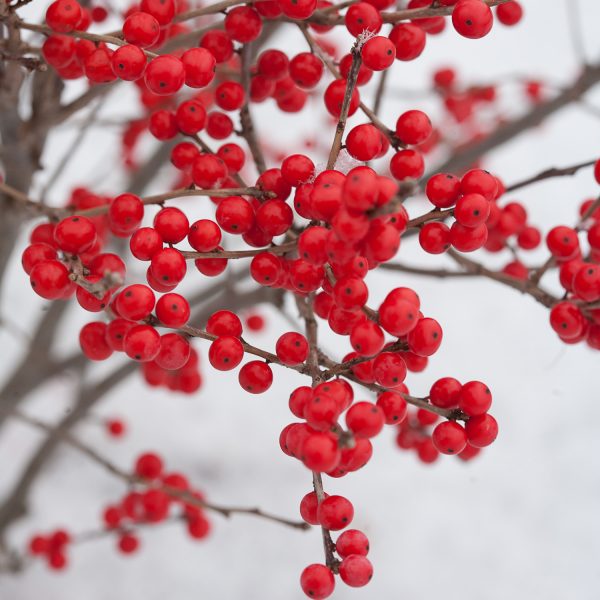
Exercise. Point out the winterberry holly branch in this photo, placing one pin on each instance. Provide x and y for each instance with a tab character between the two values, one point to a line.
344	222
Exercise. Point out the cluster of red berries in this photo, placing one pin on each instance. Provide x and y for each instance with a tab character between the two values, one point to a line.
577	317
338	227
160	496
352	546
479	221
52	547
449	437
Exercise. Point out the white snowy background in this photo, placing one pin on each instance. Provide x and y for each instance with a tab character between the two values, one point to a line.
520	521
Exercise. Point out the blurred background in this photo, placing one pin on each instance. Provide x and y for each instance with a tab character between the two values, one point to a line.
520	520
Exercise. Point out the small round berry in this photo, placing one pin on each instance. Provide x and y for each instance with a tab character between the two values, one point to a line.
413	127
226	353
509	14
75	234
165	75
365	419
316	580
319	452
472	19
409	41
50	279
335	513
445	392
378	53
356	570
142	343
449	437
149	466
481	430
256	377
292	348
352	541
475	398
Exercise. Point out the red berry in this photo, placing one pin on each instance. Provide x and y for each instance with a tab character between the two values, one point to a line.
409	41
226	353
449	437
378	53
64	15
472	18
75	234
335	513
292	348
92	339
481	430
141	29
413	127
352	541
256	377
142	343
165	74
356	570
510	13
149	466
317	580
365	419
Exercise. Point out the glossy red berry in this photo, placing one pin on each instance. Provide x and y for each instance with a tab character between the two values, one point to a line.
199	66
226	353
319	452
435	237
224	322
356	570
407	164
563	242
335	513
141	29
243	24
292	348
446	392
472	19
409	41
378	53
75	234
413	127
361	17
425	338
365	419
472	210
165	75
317	581
93	342
481	430
142	343
129	62
510	13
50	279
394	407
352	541
64	15
475	398
449	437
256	377
171	224
149	466
566	319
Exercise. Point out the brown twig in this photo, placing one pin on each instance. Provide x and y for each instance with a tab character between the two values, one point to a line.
350	86
188	497
246	122
281	249
549	173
